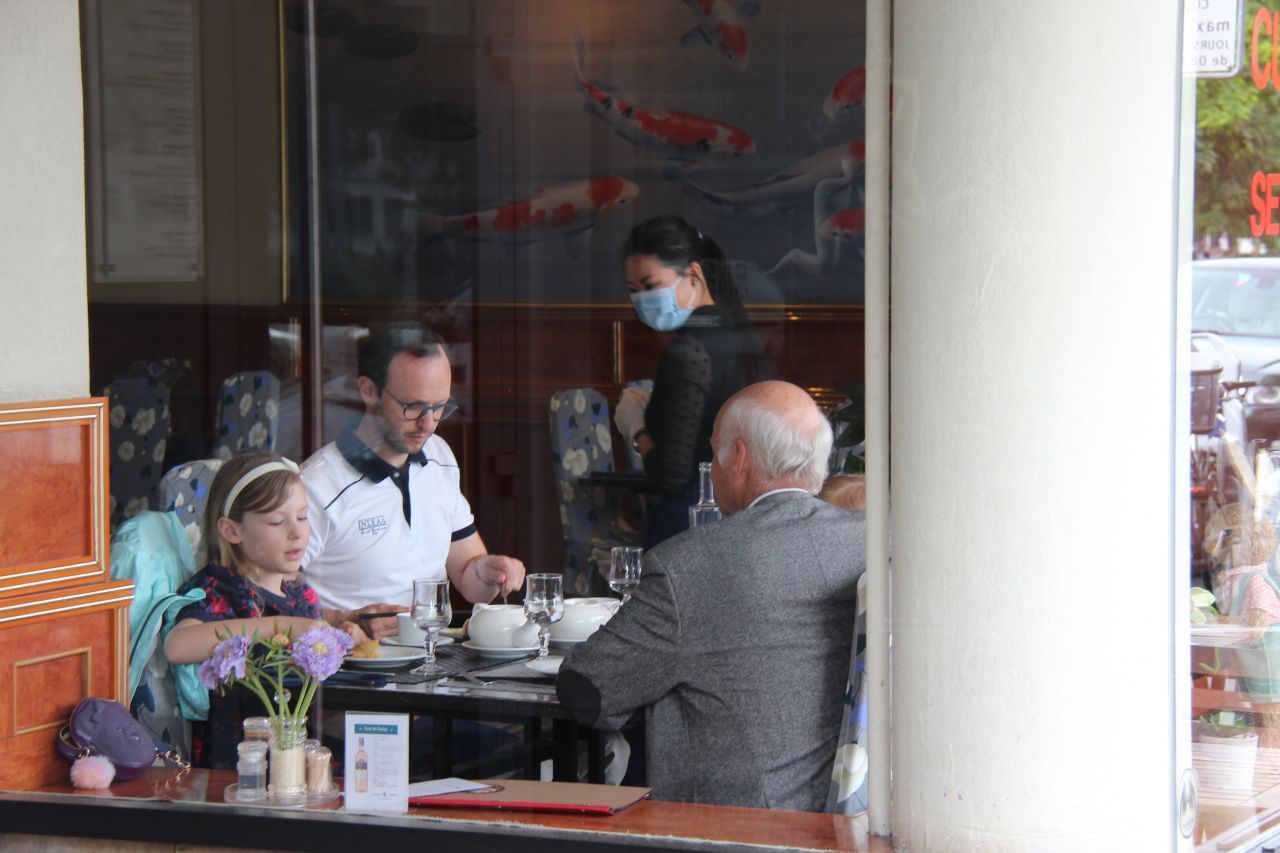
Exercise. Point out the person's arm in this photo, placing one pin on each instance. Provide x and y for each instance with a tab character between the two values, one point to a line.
192	641
375	629
675	414
479	575
631	661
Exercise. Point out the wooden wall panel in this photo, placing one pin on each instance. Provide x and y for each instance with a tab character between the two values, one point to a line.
53	495
56	648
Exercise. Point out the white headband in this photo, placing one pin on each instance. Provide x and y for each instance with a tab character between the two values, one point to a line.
252	474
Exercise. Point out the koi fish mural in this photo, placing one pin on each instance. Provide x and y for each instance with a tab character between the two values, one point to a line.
720	26
566	210
687	139
835	225
849	91
788	188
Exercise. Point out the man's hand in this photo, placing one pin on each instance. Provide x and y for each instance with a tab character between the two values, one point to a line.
374	628
505	573
628	415
354	631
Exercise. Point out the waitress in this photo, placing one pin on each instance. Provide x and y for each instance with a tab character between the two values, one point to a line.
680	282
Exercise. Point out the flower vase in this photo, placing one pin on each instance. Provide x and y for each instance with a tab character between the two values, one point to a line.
288	765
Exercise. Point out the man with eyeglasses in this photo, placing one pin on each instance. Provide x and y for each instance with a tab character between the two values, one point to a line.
385	503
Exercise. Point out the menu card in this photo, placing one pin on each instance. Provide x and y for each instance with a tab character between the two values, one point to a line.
376	769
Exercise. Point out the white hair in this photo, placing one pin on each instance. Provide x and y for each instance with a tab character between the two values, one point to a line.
782	449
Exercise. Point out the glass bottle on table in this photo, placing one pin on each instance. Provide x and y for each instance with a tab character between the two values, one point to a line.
362	768
706	510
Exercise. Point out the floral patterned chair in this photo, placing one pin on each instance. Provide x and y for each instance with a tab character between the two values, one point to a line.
848	791
581	442
184	491
140	425
248	413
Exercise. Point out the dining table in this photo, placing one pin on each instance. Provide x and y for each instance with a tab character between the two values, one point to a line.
514	690
190	809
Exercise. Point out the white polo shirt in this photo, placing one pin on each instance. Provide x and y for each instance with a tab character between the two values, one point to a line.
363	549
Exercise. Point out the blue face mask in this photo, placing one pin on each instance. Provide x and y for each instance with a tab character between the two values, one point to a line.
658	308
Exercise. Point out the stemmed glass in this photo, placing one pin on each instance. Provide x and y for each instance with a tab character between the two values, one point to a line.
543	604
432	611
624	570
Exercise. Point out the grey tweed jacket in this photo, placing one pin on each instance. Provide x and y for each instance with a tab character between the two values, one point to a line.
736	645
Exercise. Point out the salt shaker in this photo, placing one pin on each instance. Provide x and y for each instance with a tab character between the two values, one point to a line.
252	770
257	729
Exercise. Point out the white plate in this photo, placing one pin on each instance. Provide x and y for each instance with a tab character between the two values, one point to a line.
387	661
395	643
546	666
498	651
556	642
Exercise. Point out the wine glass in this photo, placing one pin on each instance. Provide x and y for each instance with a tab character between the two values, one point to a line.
624	570
432	611
543	604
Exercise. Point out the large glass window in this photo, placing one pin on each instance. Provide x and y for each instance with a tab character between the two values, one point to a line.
270	182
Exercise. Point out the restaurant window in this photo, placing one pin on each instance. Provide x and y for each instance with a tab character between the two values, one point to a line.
268	182
1230	305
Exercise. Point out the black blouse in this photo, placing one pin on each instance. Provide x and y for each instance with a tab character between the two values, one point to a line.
708	362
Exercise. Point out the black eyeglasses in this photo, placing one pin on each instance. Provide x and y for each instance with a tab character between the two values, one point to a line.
415	411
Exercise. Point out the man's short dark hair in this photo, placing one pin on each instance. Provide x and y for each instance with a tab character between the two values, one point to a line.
391	340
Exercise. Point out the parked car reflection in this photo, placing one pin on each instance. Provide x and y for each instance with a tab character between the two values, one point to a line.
1239	299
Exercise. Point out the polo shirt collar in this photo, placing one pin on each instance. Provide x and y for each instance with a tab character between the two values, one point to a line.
364	460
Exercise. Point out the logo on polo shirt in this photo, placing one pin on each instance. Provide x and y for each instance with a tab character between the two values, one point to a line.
373	525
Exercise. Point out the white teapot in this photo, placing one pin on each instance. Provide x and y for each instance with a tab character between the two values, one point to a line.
501	626
582	617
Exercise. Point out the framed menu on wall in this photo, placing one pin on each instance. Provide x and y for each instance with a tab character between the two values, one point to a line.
143	135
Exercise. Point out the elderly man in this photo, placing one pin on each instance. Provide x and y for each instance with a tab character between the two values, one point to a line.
737	642
385	503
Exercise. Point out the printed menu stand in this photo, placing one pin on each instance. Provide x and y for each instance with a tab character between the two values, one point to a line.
377	762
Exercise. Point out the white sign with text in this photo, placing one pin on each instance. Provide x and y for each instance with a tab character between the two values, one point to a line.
376	767
1211	44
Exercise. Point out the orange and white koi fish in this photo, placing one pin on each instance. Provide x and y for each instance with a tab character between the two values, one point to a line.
720	25
788	188
836	225
687	139
849	91
567	210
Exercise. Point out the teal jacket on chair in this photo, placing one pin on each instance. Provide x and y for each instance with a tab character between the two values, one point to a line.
152	550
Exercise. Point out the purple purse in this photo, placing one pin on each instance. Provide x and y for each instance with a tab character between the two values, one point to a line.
106	728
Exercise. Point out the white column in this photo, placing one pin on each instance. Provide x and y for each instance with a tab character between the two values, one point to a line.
1032	414
44	326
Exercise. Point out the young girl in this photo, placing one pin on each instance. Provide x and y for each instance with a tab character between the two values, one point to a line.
256	529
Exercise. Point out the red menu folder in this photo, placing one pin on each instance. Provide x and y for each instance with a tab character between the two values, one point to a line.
522	795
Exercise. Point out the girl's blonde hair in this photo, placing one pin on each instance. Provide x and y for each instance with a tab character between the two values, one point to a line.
848	491
261	494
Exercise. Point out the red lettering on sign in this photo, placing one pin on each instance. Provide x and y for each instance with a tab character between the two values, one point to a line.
1261	73
1264	194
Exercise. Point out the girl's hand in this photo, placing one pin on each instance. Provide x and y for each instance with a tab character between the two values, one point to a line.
353	631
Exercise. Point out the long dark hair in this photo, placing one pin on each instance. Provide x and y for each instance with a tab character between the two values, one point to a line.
676	244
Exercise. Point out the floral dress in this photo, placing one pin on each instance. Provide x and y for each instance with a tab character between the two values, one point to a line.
229	595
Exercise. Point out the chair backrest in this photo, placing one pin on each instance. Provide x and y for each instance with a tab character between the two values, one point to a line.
848	791
633	455
184	491
581	442
151	549
140	426
248	413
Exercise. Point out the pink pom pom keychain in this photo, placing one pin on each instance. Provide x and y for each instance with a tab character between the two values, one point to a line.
92	771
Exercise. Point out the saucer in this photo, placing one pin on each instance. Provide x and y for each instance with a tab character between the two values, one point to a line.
387	661
556	642
546	666
394	642
498	651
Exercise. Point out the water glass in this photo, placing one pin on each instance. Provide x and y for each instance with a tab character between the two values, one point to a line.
624	570
543	604
431	611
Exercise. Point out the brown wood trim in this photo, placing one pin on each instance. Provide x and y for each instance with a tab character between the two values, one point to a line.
52	603
45	557
86	679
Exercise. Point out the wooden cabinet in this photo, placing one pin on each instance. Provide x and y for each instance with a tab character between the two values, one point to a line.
64	629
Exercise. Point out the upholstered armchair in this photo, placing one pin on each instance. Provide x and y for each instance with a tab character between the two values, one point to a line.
184	491
248	414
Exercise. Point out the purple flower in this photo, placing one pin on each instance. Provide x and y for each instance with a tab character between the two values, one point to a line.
228	659
319	651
